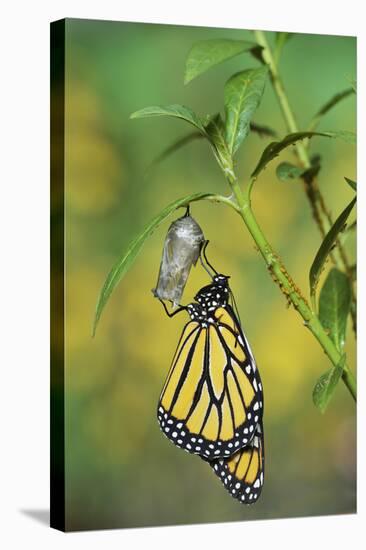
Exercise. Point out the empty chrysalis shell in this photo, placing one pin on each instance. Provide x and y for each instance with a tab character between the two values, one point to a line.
181	250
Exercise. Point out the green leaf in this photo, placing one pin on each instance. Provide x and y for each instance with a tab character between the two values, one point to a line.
334	101
351	183
216	132
287	171
274	149
243	93
176	111
334	306
326	247
124	263
329	105
208	53
262	130
174	147
326	385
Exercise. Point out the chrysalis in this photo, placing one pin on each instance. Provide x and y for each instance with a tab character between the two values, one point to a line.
181	250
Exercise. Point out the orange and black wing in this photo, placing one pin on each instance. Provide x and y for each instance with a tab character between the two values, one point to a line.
212	399
243	473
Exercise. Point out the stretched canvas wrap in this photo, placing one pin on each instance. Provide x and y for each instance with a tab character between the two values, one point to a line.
203	189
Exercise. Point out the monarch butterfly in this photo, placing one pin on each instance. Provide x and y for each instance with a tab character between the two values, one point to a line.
243	473
212	401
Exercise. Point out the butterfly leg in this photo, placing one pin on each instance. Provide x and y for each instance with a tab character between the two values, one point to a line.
181	308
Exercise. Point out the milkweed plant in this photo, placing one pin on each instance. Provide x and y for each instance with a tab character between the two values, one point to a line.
325	311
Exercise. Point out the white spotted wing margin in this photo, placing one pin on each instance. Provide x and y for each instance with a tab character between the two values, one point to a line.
243	473
212	399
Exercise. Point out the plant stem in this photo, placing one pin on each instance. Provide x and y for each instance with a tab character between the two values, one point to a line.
281	96
320	212
224	200
286	284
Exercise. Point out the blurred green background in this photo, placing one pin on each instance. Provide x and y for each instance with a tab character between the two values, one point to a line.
120	470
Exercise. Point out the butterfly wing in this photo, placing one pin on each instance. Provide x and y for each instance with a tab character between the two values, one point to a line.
243	473
212	399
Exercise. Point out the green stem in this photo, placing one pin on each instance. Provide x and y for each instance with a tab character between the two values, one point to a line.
224	200
282	97
286	284
315	197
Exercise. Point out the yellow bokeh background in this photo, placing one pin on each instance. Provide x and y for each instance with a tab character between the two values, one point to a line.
120	470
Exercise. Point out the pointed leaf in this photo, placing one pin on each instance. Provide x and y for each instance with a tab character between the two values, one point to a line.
351	183
327	246
262	130
274	149
124	263
176	111
334	306
175	146
334	101
327	384
208	53
329	105
243	93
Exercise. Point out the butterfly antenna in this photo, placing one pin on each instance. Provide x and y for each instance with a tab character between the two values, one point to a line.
208	265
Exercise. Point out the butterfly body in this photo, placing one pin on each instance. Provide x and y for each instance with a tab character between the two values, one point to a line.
212	400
